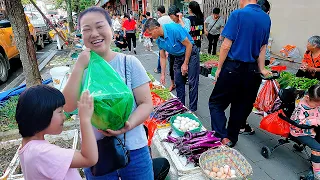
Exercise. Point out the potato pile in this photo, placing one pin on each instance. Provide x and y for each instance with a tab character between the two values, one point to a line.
224	172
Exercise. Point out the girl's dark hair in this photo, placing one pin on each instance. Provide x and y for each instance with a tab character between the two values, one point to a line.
98	10
265	5
126	15
216	11
173	10
196	10
35	109
314	92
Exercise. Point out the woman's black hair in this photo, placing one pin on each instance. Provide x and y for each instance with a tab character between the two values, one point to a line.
265	5
126	15
196	10
95	9
314	92
216	11
35	109
173	10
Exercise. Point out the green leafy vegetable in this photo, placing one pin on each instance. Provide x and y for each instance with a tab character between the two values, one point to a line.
208	57
288	79
162	93
151	77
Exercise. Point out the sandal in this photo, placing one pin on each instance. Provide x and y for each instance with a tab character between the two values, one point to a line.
247	130
172	87
156	71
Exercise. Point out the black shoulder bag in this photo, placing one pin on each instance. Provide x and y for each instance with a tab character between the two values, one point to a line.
113	154
214	24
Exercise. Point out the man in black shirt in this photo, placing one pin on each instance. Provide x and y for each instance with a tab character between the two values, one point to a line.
120	41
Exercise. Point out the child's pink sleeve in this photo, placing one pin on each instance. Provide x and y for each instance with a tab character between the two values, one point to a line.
54	162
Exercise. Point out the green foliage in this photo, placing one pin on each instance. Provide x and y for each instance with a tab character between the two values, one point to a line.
83	4
7	114
24	2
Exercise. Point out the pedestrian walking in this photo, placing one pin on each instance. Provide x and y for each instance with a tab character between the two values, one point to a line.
116	24
147	42
246	129
129	30
241	62
213	27
174	39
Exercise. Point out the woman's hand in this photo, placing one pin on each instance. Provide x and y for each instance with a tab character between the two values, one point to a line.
109	132
83	59
303	67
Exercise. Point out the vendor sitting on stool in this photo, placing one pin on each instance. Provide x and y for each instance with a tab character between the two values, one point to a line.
120	41
310	67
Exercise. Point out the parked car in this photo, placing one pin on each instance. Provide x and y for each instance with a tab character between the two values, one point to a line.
41	27
8	48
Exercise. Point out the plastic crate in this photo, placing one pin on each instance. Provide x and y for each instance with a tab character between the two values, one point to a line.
188	115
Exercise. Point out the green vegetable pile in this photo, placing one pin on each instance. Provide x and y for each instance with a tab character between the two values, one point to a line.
208	57
151	77
289	80
116	49
162	93
302	83
285	79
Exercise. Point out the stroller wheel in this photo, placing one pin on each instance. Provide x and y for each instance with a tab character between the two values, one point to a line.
298	147
265	152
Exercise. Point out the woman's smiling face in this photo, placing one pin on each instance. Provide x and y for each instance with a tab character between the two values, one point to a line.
96	32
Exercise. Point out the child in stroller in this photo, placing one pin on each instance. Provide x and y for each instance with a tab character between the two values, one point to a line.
308	113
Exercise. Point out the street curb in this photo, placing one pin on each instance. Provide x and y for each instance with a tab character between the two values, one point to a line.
18	80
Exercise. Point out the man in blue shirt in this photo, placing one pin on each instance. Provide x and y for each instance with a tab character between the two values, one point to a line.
241	62
174	39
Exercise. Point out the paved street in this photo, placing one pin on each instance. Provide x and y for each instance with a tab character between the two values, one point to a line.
284	163
16	67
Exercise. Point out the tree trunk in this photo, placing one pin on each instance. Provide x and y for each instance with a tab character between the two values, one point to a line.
24	41
70	19
77	2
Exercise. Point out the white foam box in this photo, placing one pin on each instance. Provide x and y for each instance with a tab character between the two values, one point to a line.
178	162
65	135
197	176
4	146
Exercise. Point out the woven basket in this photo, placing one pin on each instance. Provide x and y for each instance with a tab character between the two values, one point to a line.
225	156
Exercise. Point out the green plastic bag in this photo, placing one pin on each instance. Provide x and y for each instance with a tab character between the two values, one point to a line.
113	100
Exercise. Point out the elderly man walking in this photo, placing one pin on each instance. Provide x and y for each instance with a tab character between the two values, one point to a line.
174	39
241	63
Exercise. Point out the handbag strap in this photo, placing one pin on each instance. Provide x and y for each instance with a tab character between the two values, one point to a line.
126	80
214	24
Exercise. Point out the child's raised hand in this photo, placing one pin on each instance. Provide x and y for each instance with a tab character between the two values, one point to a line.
85	106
